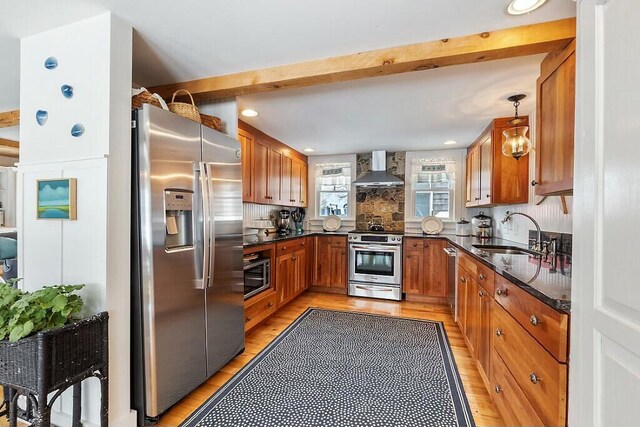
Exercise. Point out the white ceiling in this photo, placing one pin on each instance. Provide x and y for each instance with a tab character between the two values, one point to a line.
414	111
188	39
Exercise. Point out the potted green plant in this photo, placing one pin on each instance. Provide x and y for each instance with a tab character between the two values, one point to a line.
46	347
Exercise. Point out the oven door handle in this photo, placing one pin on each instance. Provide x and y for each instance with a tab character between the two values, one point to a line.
389	248
373	288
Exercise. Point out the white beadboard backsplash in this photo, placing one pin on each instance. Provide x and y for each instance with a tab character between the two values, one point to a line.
253	211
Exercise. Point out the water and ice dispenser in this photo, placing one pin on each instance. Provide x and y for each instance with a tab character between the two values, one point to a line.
178	211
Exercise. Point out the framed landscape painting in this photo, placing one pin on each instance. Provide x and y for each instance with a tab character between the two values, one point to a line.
57	198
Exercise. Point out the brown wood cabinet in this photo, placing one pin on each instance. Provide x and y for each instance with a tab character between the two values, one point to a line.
425	270
519	345
273	173
248	182
555	123
330	264
291	269
492	178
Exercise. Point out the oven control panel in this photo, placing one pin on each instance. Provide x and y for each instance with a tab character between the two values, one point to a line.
375	238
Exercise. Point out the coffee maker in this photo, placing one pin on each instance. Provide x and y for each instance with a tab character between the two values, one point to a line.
283	221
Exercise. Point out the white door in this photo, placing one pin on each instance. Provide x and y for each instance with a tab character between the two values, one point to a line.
604	370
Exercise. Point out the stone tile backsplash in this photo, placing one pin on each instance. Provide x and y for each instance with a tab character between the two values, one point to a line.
386	202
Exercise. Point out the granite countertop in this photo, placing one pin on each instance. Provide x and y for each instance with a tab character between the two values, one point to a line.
254	239
529	273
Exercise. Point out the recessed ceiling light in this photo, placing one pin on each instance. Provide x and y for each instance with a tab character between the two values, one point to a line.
450	142
248	112
520	7
309	150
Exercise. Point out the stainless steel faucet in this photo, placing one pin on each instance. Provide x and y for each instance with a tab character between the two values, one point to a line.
538	246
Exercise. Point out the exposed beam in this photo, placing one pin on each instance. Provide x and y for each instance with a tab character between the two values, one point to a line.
9	148
488	46
9	119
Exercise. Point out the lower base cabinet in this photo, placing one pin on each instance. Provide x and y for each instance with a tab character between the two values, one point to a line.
330	264
291	270
259	308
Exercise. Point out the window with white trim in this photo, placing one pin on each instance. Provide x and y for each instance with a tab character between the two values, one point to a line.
333	187
434	185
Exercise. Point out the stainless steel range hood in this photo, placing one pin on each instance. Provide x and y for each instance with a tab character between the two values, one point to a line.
378	176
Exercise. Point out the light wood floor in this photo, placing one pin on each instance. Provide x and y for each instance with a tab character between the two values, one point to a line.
484	411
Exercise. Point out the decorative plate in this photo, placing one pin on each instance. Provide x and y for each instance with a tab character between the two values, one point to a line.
432	225
331	223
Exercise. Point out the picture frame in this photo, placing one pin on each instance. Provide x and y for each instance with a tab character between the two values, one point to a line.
56	199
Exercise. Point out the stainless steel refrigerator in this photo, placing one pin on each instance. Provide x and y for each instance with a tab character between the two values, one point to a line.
187	274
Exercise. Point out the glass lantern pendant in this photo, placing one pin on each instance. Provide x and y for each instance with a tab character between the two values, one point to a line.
516	143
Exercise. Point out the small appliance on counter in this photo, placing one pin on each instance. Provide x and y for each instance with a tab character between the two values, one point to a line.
463	228
482	220
283	221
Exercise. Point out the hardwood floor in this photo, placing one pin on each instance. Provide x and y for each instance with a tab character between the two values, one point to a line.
484	410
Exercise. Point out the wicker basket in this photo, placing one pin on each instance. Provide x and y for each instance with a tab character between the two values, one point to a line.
48	360
211	121
190	111
144	97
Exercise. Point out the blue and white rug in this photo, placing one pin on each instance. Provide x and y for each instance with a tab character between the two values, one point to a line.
333	368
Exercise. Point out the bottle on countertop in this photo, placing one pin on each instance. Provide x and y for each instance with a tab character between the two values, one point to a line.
463	228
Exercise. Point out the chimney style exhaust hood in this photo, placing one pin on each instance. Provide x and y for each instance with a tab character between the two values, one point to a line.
378	176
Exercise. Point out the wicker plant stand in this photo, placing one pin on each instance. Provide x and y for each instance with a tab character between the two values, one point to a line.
51	362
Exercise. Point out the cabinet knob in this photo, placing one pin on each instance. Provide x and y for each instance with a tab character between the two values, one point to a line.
534	320
408	256
498	389
480	294
426	245
415	244
534	378
342	252
329	241
247	319
463	279
270	305
302	201
499	332
477	198
488	196
482	276
534	183
294	258
284	248
503	292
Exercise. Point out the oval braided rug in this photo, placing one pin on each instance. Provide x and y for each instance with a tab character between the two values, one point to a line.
333	368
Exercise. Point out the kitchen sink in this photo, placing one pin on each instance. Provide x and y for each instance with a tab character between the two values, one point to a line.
508	250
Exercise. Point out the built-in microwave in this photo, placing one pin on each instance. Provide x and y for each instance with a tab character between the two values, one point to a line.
257	277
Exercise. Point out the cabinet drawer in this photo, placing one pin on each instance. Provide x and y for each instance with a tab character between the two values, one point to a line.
337	241
547	325
413	242
467	262
258	310
541	377
509	398
290	246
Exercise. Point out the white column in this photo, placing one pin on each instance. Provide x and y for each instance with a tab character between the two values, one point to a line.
94	57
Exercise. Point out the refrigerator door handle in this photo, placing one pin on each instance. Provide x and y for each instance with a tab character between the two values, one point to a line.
211	253
204	200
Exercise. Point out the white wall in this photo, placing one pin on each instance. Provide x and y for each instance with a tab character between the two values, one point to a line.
95	58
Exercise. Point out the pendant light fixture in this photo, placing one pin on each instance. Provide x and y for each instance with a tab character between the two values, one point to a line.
516	143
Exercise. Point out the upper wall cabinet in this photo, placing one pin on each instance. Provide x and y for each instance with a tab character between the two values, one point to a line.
555	123
272	172
492	178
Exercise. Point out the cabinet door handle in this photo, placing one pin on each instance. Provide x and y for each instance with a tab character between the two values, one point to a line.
534	183
534	320
499	332
482	276
498	389
503	292
534	378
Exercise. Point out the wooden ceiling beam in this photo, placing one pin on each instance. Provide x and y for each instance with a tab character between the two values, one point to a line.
9	148
488	46
9	119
